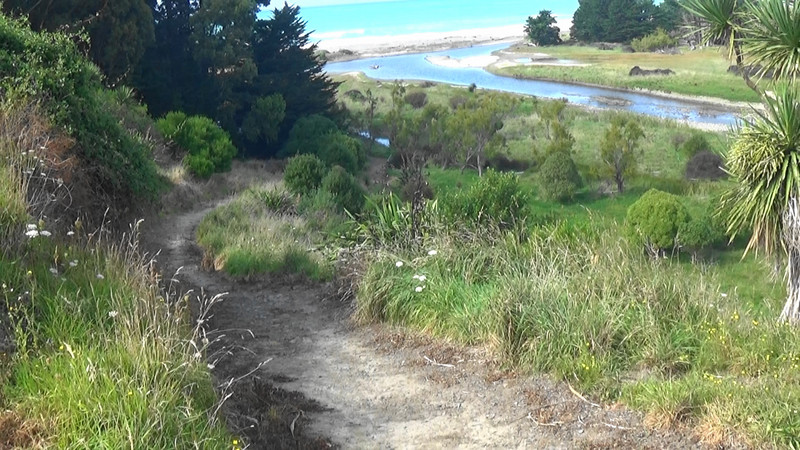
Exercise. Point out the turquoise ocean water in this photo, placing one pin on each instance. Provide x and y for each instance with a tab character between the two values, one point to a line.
396	17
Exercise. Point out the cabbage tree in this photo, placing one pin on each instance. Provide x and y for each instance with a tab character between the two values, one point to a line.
764	159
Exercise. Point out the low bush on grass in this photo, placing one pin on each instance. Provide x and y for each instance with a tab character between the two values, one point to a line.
558	177
654	220
705	165
303	174
247	237
416	99
345	191
695	144
657	40
209	147
338	149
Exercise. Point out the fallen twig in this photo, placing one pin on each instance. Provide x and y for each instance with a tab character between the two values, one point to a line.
577	394
543	424
618	427
291	427
434	363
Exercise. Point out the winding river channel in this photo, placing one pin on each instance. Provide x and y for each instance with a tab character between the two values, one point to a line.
416	67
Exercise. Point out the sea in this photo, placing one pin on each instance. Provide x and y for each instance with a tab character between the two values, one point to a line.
335	19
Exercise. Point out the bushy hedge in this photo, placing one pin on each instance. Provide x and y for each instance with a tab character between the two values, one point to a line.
495	200
559	178
656	40
304	174
655	220
49	67
345	190
209	147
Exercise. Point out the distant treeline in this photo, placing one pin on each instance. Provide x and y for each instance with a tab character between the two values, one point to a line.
623	20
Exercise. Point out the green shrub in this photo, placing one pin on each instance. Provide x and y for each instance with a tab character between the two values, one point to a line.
699	233
654	220
695	144
209	147
338	149
344	189
705	165
50	67
416	99
558	177
495	200
303	174
656	40
307	134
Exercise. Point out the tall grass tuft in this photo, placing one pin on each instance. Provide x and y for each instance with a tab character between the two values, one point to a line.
257	234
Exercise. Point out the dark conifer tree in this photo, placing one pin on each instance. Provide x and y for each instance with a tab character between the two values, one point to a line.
287	65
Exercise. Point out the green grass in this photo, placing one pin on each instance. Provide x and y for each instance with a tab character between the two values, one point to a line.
102	358
248	237
577	302
701	72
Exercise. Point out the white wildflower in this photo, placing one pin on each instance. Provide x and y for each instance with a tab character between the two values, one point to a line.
422	278
724	294
45	233
32	226
112	314
399	264
432	252
210	366
31	234
100	276
70	233
73	263
419	288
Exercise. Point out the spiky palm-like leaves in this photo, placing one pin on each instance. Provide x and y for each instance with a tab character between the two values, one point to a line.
764	161
721	20
772	38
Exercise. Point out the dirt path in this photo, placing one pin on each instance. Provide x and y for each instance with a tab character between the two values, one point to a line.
328	383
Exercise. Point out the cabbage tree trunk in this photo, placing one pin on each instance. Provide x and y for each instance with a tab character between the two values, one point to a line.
791	240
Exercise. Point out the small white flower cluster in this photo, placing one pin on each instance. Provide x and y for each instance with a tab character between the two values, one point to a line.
33	231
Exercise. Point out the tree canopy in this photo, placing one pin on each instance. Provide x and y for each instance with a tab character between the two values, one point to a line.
541	29
622	20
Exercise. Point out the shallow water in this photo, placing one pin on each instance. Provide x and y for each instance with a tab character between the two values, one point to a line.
415	67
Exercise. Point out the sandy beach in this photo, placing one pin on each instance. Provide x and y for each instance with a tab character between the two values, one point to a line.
352	48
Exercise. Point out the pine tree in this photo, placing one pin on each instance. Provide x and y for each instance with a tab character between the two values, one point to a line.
287	65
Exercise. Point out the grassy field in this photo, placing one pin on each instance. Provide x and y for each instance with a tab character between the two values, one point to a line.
701	72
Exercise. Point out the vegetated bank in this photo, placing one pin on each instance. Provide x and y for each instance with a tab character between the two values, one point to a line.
541	258
97	352
701	72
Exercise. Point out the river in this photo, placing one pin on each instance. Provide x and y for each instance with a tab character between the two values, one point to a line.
416	67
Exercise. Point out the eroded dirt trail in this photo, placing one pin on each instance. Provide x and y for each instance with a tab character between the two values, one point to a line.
327	382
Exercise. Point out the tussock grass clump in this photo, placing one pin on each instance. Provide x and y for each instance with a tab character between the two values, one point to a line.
581	304
255	234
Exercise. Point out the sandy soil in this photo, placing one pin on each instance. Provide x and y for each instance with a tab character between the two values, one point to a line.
306	377
368	46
